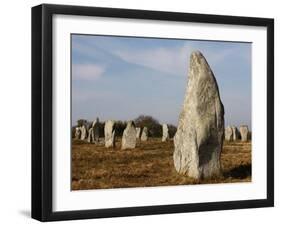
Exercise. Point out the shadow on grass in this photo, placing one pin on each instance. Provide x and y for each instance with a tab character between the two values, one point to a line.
239	172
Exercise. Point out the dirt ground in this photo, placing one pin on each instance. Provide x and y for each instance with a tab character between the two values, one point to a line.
150	164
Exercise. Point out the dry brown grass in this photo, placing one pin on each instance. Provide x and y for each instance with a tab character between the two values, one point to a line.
150	164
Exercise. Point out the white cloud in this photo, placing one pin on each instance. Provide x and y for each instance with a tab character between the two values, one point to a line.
173	60
87	72
169	60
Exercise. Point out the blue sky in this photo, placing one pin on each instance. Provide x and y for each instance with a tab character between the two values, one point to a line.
123	77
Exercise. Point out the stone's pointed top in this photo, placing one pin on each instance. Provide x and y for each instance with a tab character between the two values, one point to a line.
110	121
197	58
201	79
196	54
199	66
130	123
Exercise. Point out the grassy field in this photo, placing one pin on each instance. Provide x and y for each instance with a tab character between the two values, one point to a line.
150	164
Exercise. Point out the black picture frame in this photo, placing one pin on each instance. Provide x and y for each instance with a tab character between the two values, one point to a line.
42	111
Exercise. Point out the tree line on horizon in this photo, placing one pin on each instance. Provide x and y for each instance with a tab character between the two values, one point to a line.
152	124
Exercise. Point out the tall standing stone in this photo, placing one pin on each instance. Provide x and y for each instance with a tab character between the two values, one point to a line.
235	133
199	137
83	132
144	134
109	134
165	132
228	133
129	137
244	131
138	130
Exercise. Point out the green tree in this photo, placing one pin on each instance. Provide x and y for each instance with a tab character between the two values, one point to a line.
119	127
172	130
81	122
152	124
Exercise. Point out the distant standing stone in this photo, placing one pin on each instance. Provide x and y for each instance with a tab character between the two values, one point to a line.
109	134
96	131
165	132
77	133
199	137
235	133
244	131
144	134
129	137
83	132
228	133
138	129
90	135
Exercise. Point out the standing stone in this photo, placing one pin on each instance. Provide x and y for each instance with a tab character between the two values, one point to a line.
165	132
77	133
96	131
235	133
144	134
129	137
87	125
244	131
83	132
90	135
93	134
109	134
138	129
199	137
228	133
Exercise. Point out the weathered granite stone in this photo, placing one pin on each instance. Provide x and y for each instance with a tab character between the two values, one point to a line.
83	130
244	131
77	133
228	133
90	135
144	134
235	133
165	132
109	134
199	137
138	129
96	131
93	132
129	137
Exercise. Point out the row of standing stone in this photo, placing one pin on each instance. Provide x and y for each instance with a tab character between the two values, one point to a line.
129	137
233	134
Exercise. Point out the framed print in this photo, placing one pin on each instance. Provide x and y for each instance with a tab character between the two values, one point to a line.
145	112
